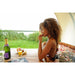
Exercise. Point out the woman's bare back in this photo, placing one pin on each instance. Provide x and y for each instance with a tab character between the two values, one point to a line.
52	52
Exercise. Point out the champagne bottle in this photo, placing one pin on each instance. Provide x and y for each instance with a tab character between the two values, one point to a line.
7	54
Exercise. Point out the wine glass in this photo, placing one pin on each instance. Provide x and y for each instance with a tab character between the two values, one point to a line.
1	56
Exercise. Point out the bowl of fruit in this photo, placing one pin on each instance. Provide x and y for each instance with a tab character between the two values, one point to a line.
21	51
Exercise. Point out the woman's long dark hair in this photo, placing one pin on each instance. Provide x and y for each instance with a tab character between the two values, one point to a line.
53	28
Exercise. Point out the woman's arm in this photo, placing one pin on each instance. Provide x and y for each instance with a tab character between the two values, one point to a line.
45	51
40	50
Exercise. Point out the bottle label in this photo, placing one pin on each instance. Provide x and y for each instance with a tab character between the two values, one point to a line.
6	55
6	45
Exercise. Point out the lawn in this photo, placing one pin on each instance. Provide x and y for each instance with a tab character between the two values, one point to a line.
20	43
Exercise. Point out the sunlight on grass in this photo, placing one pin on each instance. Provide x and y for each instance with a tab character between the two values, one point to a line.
20	43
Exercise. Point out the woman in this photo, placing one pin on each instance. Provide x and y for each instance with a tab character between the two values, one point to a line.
51	29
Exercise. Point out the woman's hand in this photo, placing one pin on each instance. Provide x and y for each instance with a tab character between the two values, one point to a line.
40	38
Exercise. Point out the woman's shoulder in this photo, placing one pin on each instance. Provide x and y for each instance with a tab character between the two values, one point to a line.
52	41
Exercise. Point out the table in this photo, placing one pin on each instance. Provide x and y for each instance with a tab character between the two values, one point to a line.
32	55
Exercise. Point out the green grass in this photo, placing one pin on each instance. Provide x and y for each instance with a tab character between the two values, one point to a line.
20	43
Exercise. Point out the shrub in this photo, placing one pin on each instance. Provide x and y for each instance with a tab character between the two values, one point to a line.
34	37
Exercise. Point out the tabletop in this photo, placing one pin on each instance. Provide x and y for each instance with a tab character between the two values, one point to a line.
31	56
